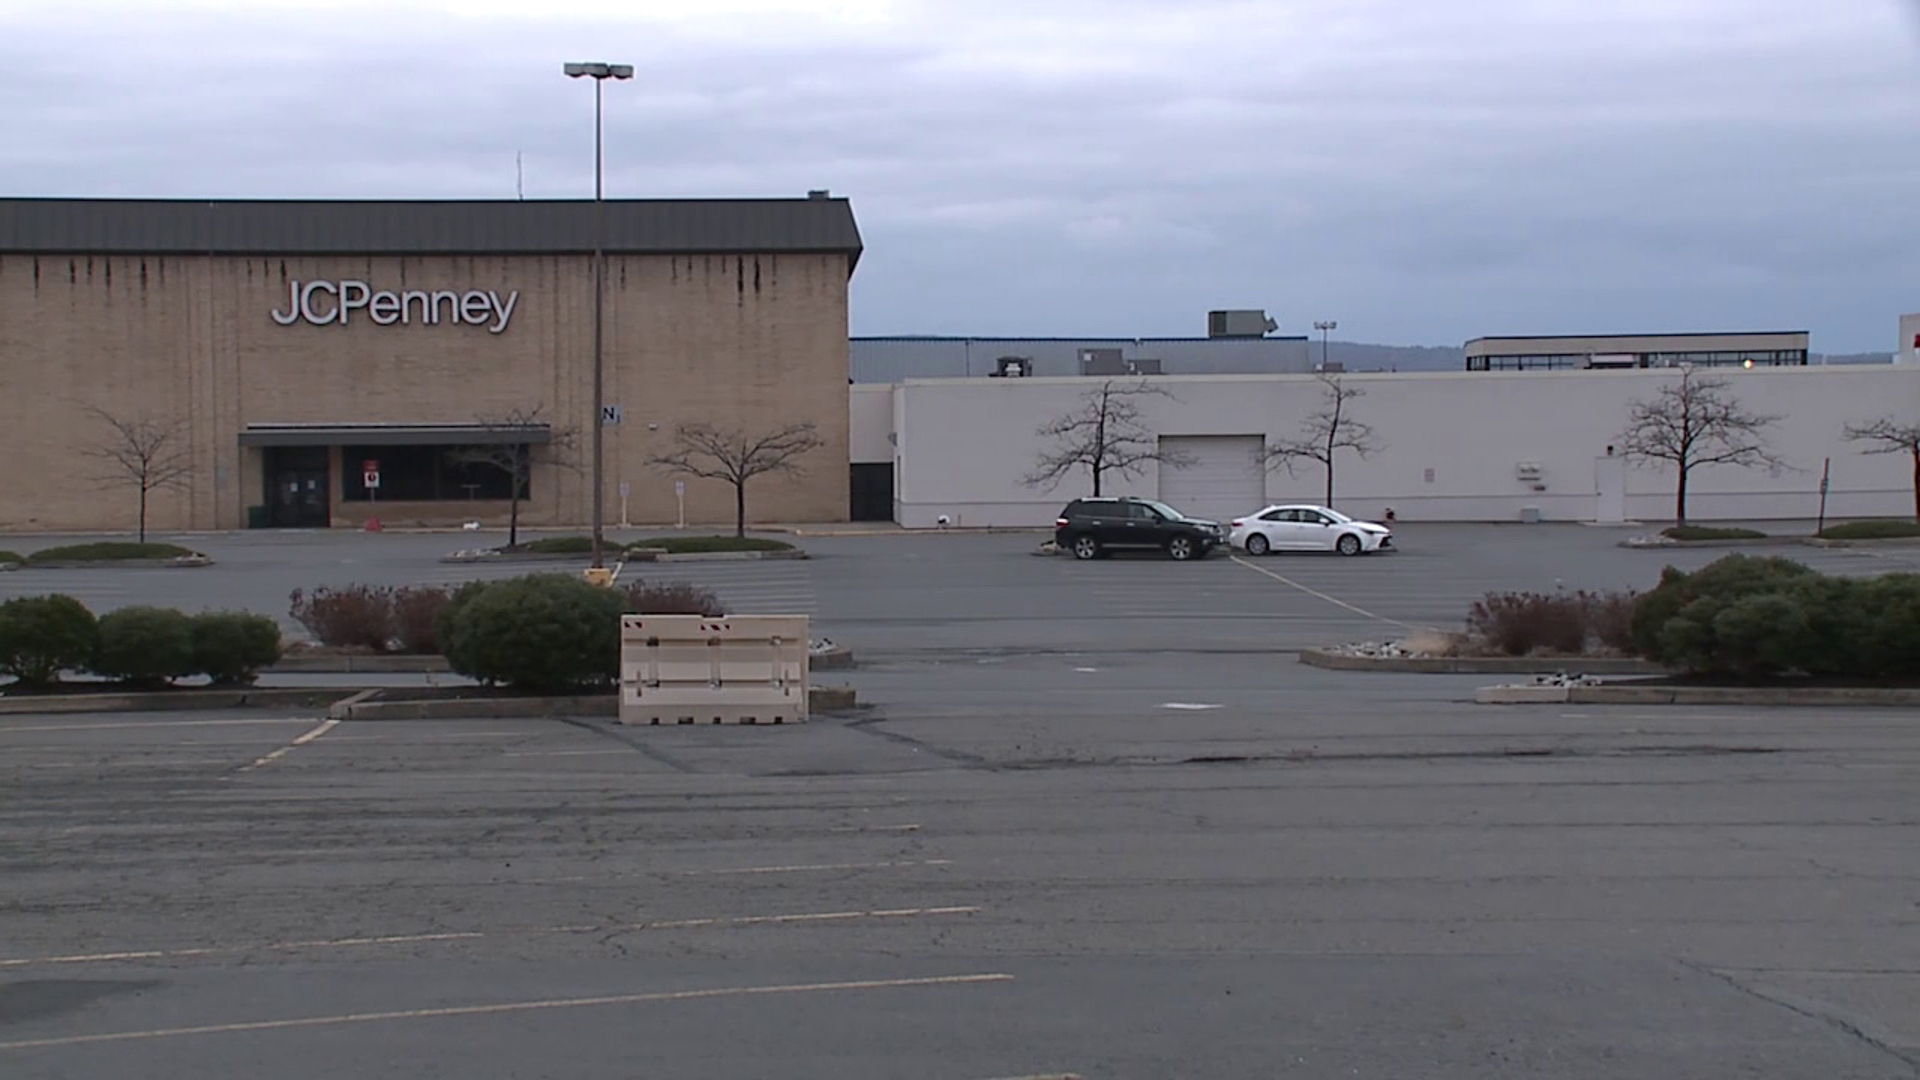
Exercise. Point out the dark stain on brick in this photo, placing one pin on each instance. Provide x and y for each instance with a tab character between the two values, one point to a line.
73	272
740	276
756	275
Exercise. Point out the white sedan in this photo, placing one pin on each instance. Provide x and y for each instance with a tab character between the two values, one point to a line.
1307	528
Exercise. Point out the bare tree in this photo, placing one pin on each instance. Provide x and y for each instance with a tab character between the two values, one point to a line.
1105	434
1328	430
513	458
1693	424
1888	436
736	456
150	454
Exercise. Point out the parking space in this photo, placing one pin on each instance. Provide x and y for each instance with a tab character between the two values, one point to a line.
1094	824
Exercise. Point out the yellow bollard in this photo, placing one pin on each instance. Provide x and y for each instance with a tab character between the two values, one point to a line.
599	575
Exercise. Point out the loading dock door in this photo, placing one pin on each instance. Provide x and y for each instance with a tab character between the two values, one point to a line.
1225	480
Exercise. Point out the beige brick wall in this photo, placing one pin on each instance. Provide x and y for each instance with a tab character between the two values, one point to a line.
748	341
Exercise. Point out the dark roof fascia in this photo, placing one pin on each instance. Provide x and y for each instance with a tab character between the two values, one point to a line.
306	228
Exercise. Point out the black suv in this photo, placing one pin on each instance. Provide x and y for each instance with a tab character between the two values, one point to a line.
1089	528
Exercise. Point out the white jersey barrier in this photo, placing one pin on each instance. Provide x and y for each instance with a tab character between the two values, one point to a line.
690	669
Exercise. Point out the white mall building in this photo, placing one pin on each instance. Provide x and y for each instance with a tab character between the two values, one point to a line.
1523	443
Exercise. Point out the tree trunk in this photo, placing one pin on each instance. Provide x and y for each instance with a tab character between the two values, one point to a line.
513	515
740	508
1916	481
1329	503
143	513
1096	480
1680	498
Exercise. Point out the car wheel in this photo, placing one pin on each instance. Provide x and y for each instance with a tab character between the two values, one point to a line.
1348	545
1256	544
1085	547
1180	548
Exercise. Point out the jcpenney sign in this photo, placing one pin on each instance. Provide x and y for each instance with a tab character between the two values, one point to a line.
324	303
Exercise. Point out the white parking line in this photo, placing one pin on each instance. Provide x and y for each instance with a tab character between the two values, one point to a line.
6	729
1289	582
505	1007
321	729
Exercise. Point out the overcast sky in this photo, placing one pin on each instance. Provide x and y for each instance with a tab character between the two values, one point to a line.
1423	171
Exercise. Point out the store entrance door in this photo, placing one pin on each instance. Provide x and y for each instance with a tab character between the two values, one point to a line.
298	487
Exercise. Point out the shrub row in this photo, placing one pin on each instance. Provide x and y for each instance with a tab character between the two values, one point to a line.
1710	532
42	637
12	557
1761	617
550	633
1523	623
1871	530
111	551
673	545
409	619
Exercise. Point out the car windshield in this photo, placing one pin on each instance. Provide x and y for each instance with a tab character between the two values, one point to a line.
1338	517
1165	511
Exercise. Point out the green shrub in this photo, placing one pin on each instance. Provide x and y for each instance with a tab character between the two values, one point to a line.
1755	636
1849	530
557	545
1718	584
1709	532
701	545
1887	644
110	551
443	620
545	633
41	636
11	558
145	645
232	647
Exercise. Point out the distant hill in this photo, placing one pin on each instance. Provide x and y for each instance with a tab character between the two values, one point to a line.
1357	356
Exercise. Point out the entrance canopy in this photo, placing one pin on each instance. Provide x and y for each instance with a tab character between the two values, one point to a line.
474	434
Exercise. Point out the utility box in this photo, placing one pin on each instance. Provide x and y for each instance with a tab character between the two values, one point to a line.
1240	324
690	669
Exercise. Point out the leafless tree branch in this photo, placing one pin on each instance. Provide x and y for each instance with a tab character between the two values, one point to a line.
736	456
1889	436
515	459
148	453
1326	431
1104	434
1693	424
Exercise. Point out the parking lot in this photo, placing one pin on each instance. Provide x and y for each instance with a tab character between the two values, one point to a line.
1096	823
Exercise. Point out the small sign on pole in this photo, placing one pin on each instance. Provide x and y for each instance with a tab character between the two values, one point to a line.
680	496
611	415
626	489
1826	473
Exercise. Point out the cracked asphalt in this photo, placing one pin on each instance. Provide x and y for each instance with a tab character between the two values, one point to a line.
1053	847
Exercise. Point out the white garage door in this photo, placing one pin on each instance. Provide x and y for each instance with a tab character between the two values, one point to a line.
1225	479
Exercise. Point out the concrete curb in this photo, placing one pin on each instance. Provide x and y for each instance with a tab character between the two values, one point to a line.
183	563
729	556
289	697
366	705
988	530
1804	697
1481	665
351	664
1663	544
637	555
1774	541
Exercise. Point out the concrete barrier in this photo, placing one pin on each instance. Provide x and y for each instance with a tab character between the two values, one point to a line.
690	669
1521	695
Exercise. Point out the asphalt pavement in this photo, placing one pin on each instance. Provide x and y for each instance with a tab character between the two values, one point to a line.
1093	825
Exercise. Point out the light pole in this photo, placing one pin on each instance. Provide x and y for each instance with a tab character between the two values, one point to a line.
1324	327
599	73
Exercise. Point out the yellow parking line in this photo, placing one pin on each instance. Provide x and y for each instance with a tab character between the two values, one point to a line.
504	1007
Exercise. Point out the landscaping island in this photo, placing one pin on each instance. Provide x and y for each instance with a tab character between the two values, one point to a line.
1849	532
106	553
647	549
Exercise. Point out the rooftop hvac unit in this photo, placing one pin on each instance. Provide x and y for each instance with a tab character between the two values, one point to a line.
1240	324
1012	367
1144	367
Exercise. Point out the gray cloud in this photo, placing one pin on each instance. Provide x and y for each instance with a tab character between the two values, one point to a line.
1423	172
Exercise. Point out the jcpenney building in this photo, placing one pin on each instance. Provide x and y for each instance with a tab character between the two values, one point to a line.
282	347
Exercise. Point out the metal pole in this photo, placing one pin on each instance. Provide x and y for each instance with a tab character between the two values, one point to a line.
599	337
